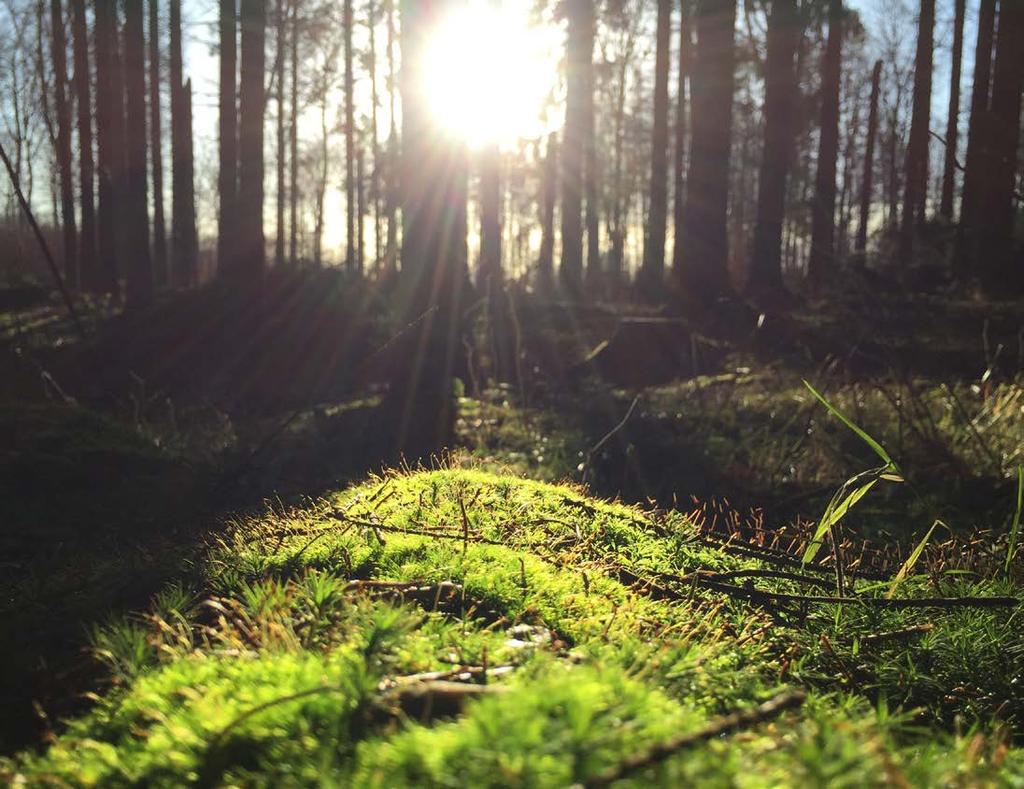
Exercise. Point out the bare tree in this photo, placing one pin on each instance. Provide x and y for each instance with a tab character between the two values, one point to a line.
351	254
110	142
281	45
679	166
184	246
227	178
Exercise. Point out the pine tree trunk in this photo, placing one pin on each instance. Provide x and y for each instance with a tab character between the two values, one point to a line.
281	44
360	204
135	217
391	249
419	406
351	257
183	211
965	254
293	141
549	196
679	169
227	150
867	181
652	271
160	273
252	104
491	277
579	65
822	256
997	217
953	118
705	274
779	130
88	274
110	143
67	186
371	23
915	190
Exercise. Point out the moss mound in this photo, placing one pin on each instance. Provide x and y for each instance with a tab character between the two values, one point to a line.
461	628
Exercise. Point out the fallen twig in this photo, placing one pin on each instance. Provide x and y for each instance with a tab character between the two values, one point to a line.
718	727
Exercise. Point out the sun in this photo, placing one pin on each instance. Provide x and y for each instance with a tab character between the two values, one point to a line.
489	74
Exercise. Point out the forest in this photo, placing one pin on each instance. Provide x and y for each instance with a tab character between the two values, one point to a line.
512	393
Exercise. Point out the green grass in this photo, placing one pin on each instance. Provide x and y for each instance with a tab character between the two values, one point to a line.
280	657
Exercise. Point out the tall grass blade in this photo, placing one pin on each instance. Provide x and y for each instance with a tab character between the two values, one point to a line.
840	505
908	565
875	446
1011	549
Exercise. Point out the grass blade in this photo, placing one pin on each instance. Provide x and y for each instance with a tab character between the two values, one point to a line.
837	509
875	446
1015	527
908	565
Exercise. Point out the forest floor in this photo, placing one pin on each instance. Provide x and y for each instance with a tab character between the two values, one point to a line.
204	582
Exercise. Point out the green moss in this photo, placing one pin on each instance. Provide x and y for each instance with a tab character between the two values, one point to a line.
279	671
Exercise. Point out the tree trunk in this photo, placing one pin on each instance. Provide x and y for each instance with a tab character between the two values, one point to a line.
866	186
549	196
351	259
704	272
110	142
139	268
67	186
997	216
953	118
371	23
227	177
822	258
779	130
280	55
420	407
915	190
491	278
252	104
88	274
160	273
293	141
360	204
652	271
184	250
965	254
679	171
391	250
579	66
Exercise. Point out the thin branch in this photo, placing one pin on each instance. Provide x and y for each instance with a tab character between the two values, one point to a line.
717	728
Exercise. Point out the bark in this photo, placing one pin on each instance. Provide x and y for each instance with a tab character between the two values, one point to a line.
391	249
579	67
281	44
996	225
822	257
360	205
135	217
652	272
227	174
293	141
184	248
160	273
420	403
351	256
83	95
252	104
679	170
970	208
67	186
867	182
371	23
491	278
110	142
704	273
779	132
915	190
549	196
953	117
